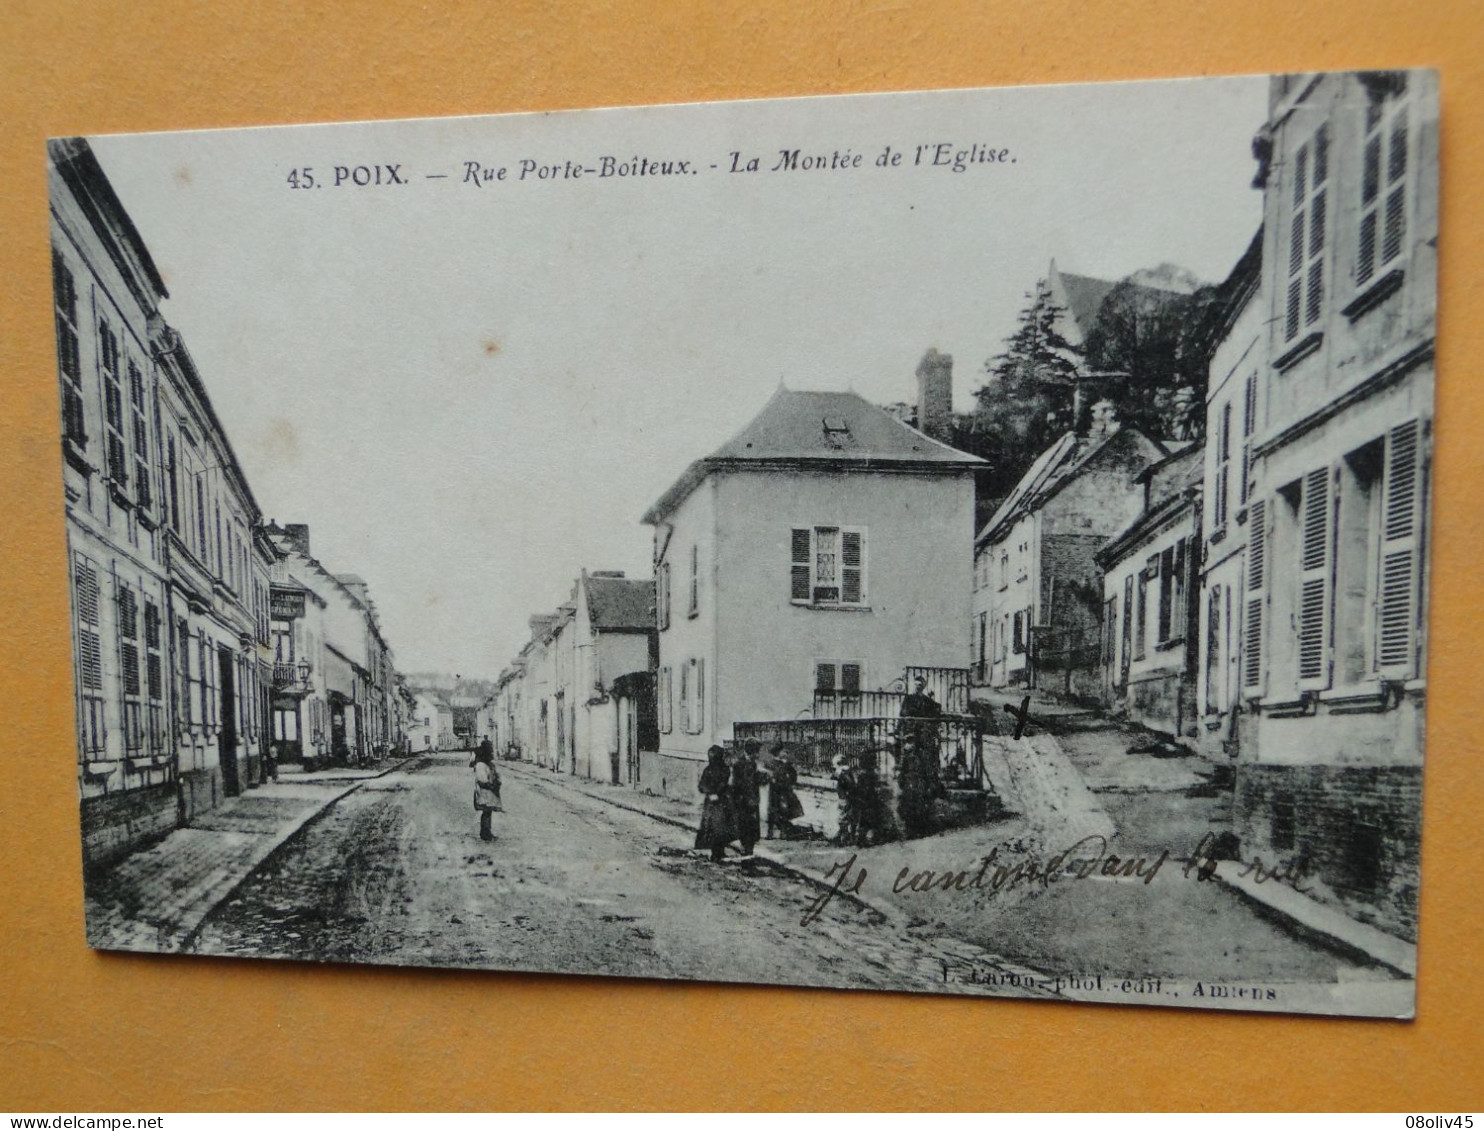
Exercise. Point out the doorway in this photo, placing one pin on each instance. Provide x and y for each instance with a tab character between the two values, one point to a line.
231	782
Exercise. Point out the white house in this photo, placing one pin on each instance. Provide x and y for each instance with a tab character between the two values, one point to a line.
826	545
1037	602
1334	661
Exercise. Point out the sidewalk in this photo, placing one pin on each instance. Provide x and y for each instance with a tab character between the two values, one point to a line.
155	899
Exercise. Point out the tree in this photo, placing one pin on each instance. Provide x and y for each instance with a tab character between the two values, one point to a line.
1026	400
1149	348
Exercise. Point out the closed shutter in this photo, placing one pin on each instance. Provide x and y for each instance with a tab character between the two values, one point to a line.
799	567
853	571
1315	583
1397	636
1249	425
1252	620
850	679
700	696
128	609
89	642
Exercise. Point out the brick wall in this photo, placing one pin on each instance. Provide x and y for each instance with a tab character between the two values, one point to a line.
1358	826
113	825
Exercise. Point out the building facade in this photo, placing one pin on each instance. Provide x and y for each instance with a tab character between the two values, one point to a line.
813	552
1151	591
1334	642
1037	587
1234	386
106	295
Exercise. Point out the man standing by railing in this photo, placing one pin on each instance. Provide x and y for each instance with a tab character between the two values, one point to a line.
917	759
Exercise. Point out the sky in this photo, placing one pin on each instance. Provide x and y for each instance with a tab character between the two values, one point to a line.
473	389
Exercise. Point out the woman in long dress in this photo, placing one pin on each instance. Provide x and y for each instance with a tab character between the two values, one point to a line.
783	802
716	812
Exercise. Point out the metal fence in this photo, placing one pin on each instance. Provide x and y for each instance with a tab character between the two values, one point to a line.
949	686
818	747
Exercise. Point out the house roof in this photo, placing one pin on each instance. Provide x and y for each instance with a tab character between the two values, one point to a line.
1085	297
620	603
1054	468
837	431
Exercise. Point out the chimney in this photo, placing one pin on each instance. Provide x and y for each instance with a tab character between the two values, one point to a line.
935	395
296	534
1104	420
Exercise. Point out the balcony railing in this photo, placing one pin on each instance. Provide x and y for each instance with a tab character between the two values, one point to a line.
291	676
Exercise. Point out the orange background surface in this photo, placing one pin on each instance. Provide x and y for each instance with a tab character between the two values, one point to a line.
83	1031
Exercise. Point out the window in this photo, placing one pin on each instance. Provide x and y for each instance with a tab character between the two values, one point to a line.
841	677
1125	648
201	520
1256	599
69	364
663	688
1398	636
1004	569
828	565
1022	631
140	434
90	716
695	580
129	682
1141	608
174	472
1316	559
1306	233
1223	462
1172	567
1383	186
693	696
154	682
1249	426
113	407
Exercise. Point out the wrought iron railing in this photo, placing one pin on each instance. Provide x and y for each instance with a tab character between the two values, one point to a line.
857	704
291	676
949	686
820	747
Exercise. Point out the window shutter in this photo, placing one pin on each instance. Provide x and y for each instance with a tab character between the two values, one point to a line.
695	579
824	677
1252	621
89	642
700	696
853	571
1314	581
1399	605
850	679
799	569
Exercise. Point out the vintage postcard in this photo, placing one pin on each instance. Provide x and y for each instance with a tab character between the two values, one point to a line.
966	542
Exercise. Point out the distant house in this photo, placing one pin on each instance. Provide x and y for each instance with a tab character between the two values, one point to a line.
1151	599
823	548
1238	362
614	639
1037	587
431	726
